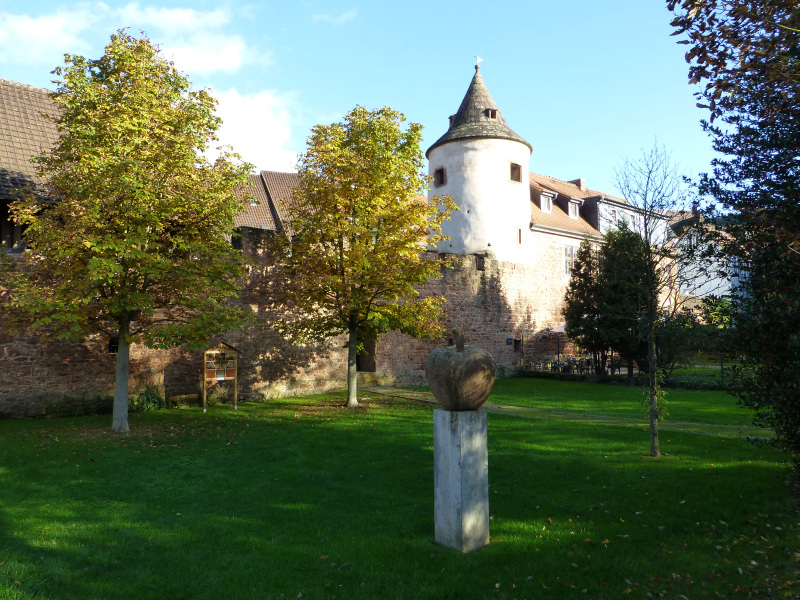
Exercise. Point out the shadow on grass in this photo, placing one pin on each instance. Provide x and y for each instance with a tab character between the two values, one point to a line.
304	500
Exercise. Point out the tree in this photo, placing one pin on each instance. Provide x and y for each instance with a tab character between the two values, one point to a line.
746	56
625	291
132	241
653	184
359	227
582	317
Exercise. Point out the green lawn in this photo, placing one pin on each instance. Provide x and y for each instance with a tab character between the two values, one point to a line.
301	498
623	401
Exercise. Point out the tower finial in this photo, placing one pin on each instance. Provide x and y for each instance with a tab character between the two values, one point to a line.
478	61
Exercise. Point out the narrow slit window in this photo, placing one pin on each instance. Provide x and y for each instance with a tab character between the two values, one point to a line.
516	172
439	177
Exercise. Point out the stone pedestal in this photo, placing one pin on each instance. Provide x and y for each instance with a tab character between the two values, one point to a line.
461	479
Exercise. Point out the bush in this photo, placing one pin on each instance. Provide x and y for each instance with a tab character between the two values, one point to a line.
149	399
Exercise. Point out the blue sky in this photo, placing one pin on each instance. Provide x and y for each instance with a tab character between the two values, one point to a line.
587	83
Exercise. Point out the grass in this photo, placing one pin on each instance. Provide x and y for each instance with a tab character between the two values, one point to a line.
711	407
301	498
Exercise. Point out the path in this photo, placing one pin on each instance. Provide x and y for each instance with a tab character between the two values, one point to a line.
742	431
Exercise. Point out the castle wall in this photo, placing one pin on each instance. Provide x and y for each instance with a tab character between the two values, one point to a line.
502	302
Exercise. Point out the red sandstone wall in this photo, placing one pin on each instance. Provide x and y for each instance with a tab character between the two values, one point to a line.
504	301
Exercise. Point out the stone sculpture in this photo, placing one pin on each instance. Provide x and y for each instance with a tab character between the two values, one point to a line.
461	378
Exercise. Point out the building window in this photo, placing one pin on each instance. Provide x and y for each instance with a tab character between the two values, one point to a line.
491	113
113	345
480	263
547	204
573	210
439	177
519	236
569	259
516	172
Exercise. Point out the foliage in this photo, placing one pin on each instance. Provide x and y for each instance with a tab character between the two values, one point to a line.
678	334
132	240
148	399
626	290
359	226
582	317
746	55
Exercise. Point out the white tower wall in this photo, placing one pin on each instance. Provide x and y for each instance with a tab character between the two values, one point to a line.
494	211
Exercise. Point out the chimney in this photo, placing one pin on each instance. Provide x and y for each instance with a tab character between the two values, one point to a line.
581	183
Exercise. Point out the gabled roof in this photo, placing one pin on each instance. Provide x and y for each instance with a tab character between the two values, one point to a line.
571	189
558	221
257	216
473	121
24	133
274	192
280	187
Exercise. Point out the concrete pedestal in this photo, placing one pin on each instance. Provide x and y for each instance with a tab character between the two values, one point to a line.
461	479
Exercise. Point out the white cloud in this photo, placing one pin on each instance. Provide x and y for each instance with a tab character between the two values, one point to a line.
172	21
198	41
208	54
340	20
258	127
45	39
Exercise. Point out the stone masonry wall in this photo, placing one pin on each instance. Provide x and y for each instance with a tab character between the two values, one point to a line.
502	302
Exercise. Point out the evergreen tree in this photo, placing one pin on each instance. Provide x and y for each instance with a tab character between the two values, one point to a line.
583	320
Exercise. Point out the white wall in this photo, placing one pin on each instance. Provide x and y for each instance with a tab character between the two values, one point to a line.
492	208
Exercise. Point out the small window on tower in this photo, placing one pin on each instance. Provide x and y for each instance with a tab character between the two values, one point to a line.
491	113
439	177
516	172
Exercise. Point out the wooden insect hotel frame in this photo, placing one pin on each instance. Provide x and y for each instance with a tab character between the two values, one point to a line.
221	363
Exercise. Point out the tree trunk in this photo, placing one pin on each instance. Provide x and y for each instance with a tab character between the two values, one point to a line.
120	414
653	391
352	376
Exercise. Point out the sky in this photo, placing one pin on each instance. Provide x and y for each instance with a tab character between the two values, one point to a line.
586	83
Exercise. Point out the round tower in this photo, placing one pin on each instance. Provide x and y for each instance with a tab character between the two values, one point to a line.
483	165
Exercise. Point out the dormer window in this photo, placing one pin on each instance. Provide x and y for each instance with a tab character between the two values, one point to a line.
546	203
491	113
573	210
439	177
516	172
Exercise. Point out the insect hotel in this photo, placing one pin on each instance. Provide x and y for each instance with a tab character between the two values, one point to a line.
221	364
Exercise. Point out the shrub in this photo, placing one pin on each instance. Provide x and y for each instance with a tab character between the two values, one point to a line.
149	399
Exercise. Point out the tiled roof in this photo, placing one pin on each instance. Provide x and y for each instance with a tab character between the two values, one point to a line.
568	188
24	133
280	187
258	216
558	219
472	119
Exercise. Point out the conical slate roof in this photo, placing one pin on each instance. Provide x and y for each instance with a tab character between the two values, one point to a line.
478	117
